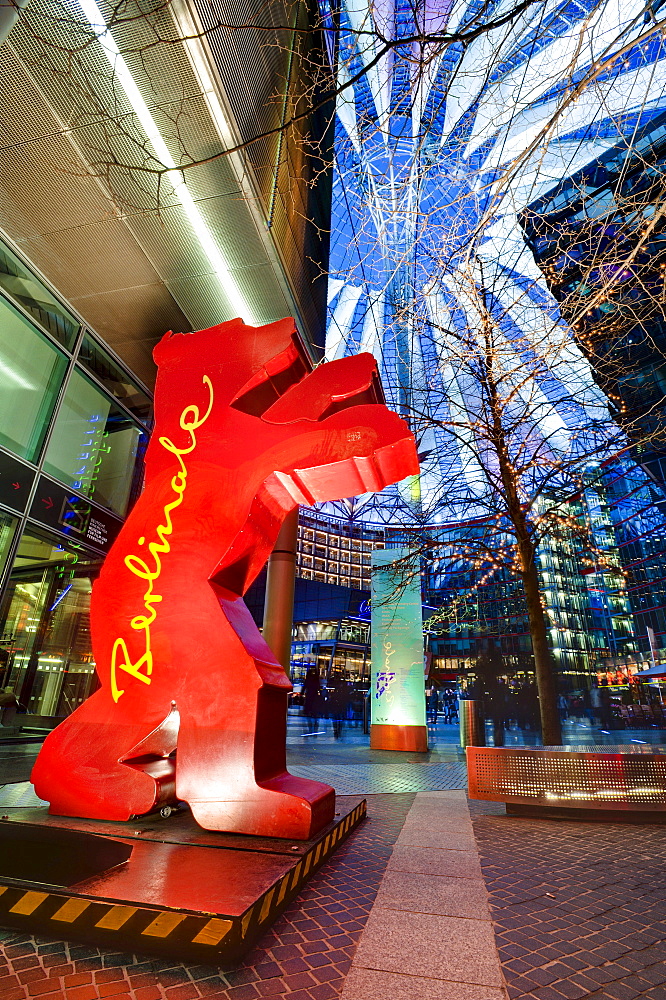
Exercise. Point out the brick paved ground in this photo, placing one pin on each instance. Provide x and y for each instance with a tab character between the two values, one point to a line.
579	908
305	956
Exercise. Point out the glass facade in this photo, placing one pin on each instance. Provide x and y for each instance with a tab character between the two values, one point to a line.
638	510
31	374
338	647
94	444
332	551
600	241
588	611
74	425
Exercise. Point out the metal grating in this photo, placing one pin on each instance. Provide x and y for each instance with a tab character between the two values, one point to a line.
375	779
625	778
19	795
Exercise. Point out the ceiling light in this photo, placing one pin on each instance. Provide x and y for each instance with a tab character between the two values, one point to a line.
122	74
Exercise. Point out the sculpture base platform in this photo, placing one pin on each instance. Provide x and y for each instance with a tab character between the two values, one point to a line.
155	885
409	738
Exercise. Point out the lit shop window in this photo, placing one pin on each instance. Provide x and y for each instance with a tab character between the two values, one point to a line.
7	528
45	625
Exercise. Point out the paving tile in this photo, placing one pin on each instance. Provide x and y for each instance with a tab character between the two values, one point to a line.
451	839
654	975
440	805
457	949
16	994
148	993
434	894
655	994
371	984
586	900
434	861
44	986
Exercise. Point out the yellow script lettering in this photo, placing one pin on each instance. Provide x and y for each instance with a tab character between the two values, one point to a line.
141	670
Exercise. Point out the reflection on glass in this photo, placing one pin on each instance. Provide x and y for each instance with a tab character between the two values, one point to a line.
23	287
7	526
31	373
112	376
95	447
45	626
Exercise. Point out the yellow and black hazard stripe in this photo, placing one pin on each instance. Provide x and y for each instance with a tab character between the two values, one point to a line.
140	928
265	910
153	930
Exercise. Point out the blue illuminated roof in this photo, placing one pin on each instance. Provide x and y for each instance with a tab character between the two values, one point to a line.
439	148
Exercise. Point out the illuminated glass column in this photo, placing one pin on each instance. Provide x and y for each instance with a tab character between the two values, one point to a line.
397	692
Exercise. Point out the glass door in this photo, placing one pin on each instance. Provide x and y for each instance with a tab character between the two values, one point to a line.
45	622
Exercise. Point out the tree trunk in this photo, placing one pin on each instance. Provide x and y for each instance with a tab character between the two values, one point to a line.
551	728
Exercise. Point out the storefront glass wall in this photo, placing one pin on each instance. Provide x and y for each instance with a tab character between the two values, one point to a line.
7	531
73	429
352	664
93	445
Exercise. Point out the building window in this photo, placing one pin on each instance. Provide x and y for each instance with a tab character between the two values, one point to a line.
7	528
113	378
26	290
94	446
31	373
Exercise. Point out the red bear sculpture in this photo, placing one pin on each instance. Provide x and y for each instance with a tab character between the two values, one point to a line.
244	431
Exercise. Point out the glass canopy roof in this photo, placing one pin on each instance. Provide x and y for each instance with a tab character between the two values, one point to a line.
452	117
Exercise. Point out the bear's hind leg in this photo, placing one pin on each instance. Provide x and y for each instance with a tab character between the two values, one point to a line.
79	770
233	775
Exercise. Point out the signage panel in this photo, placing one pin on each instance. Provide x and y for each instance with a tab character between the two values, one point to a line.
398	688
16	481
73	515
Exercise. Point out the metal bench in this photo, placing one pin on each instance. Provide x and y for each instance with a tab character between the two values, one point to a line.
618	782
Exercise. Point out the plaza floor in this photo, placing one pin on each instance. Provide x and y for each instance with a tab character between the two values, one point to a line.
434	897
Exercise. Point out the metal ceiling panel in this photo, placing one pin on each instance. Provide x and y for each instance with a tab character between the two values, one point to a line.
198	295
122	248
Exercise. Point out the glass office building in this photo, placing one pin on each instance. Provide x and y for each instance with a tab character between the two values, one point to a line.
482	605
600	240
637	507
74	426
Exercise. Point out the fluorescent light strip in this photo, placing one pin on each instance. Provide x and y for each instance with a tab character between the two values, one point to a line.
111	51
